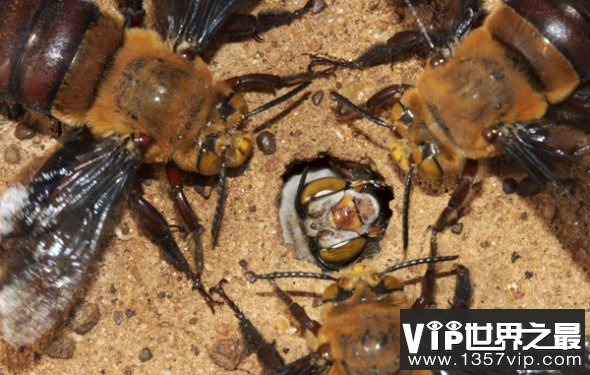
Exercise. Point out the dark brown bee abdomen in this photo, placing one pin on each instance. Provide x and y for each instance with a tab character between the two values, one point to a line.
40	41
564	24
552	37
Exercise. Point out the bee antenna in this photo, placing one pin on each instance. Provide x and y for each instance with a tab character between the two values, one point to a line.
415	262
355	108
278	100
252	277
406	208
420	24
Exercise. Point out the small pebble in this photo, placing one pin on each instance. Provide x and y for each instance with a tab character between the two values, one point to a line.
517	294
12	154
118	317
457	228
145	355
192	321
338	85
252	208
112	289
266	142
528	275
23	132
244	264
528	187
83	317
195	350
129	313
60	347
318	6
524	216
509	185
514	257
162	295
317	97
228	353
485	244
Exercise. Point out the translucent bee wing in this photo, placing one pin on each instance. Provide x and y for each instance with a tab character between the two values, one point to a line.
51	230
530	146
192	21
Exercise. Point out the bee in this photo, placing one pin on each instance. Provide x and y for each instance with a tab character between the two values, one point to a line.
360	328
334	212
144	97
511	83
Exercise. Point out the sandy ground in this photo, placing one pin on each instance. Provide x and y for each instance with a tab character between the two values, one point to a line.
143	303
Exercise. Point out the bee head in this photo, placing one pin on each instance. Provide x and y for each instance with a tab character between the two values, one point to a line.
361	283
222	139
411	145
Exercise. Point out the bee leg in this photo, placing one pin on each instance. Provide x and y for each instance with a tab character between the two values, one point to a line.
247	25
457	200
463	292
449	215
378	54
195	229
386	97
426	299
266	352
297	310
133	12
401	43
266	82
471	17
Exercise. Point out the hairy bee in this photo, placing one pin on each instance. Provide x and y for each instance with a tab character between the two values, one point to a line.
360	328
503	84
146	96
334	212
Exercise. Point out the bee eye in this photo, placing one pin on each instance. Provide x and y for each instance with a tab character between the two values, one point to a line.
429	164
387	285
430	167
344	252
334	293
322	186
402	114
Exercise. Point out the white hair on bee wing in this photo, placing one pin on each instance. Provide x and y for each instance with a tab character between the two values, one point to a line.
12	202
25	313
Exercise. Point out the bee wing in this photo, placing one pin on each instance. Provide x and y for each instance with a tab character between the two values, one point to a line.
192	21
49	233
537	148
310	364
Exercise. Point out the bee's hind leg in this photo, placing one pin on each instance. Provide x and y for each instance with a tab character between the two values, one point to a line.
152	221
463	290
244	26
266	352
